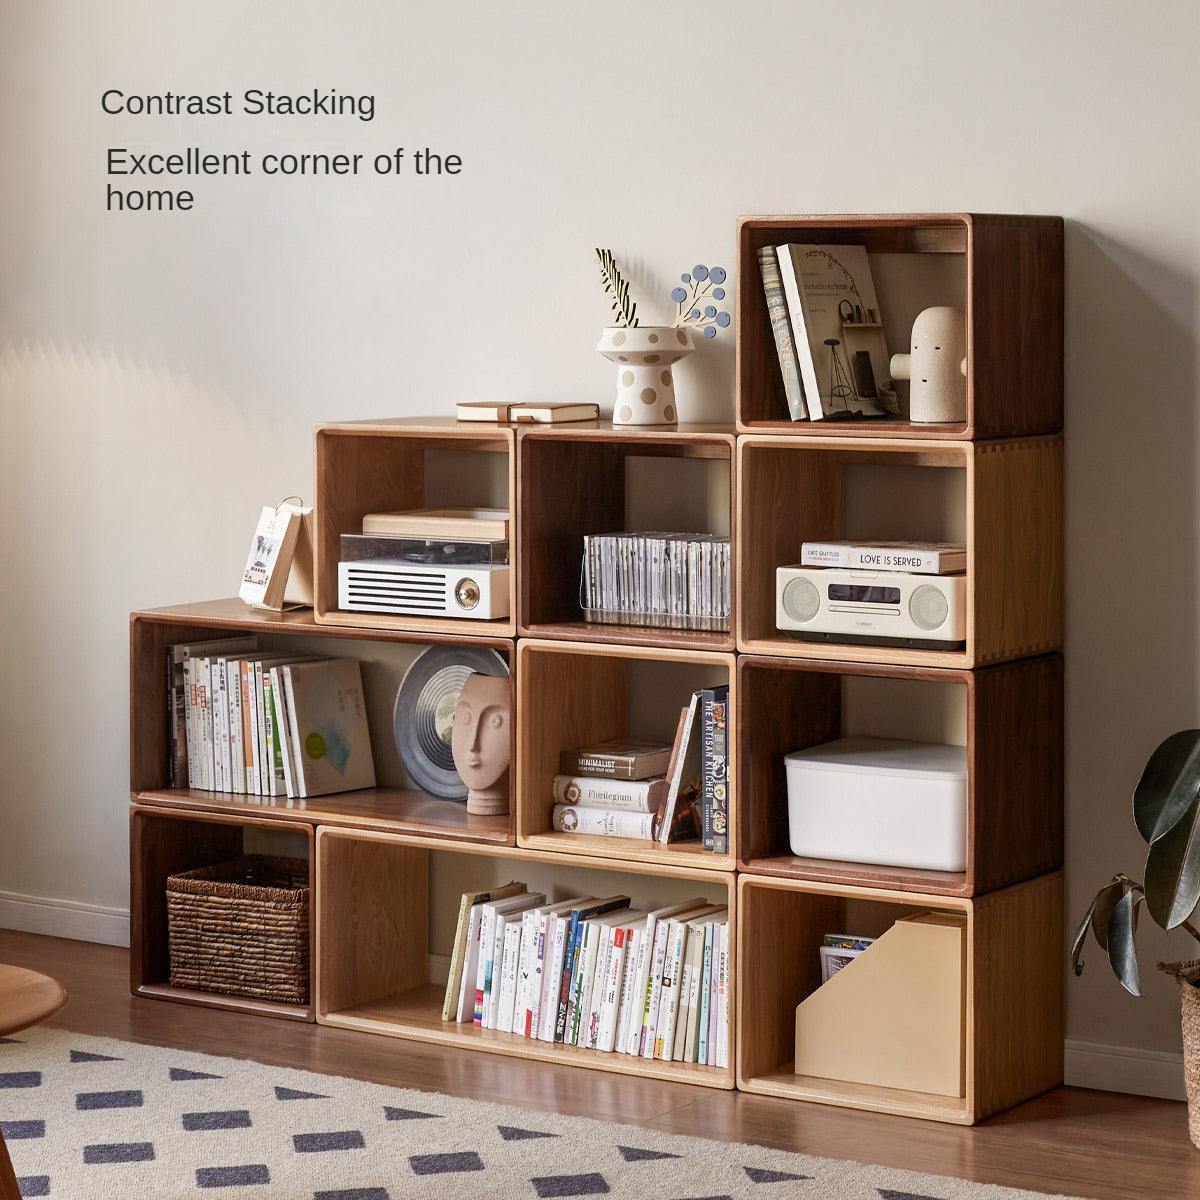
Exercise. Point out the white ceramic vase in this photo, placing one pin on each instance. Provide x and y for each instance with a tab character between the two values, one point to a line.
645	357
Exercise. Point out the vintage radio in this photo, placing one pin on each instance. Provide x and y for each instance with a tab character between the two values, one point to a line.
385	585
883	608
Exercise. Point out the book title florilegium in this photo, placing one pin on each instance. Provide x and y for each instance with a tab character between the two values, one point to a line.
146	168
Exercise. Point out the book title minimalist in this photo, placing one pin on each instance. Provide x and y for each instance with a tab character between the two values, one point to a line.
142	179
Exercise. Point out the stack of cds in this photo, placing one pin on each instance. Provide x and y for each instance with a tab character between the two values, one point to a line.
672	580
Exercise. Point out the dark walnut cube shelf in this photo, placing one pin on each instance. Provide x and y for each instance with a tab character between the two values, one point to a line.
1005	272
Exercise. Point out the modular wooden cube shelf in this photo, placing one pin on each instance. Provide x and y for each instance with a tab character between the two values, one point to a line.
373	943
1012	1030
163	844
1004	272
1003	499
390	466
391	808
577	481
576	694
389	863
1014	796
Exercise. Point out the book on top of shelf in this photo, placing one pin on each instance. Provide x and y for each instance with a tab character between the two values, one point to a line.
552	412
327	720
482	410
837	329
472	524
781	328
919	558
616	758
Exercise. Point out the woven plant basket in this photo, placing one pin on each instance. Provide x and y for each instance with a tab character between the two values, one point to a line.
1188	974
241	928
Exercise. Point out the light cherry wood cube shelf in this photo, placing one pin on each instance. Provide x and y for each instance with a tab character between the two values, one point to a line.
1004	499
575	480
572	694
1004	272
1012	1032
1014	826
393	808
373	942
391	466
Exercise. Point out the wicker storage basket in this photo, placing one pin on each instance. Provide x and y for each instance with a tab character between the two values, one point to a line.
1188	974
241	928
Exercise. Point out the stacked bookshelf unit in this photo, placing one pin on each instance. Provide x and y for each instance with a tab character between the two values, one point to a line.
387	863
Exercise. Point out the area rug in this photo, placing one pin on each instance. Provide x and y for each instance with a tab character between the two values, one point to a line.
91	1118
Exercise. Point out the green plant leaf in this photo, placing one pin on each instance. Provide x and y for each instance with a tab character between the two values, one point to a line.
1121	953
1106	900
1173	870
1168	786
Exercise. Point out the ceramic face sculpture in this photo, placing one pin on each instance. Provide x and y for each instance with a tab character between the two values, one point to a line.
481	742
937	367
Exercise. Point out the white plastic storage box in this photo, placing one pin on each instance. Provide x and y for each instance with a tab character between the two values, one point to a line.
879	800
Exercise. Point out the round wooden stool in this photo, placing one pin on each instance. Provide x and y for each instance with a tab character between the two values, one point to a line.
26	998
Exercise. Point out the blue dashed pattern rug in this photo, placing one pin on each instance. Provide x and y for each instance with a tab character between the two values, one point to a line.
89	1118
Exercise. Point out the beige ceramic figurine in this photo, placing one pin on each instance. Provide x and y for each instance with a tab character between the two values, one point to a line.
481	742
937	367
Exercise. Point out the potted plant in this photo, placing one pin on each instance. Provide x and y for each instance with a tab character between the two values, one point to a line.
646	354
1166	811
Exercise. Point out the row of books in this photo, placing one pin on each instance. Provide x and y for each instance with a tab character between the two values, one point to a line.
615	788
828	331
266	724
672	580
594	973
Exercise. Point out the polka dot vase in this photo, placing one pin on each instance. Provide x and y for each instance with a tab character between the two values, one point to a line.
645	358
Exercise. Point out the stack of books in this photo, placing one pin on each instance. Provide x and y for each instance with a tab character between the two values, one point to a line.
672	580
266	724
616	788
594	973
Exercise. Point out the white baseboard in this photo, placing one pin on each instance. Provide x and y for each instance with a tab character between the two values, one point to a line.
65	919
1124	1069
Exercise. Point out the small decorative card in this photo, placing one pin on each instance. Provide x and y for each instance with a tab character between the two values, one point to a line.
279	570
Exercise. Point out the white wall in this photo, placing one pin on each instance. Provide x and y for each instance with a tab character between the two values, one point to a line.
160	375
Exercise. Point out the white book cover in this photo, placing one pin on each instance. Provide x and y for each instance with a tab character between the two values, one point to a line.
557	931
282	728
624	795
645	969
233	693
507	999
605	822
204	722
840	343
543	951
615	976
487	972
582	980
189	722
586	1018
686	1027
723	965
633	954
654	990
529	926
328	720
668	1004
220	730
918	558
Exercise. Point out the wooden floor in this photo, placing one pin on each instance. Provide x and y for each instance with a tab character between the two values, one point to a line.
1070	1141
